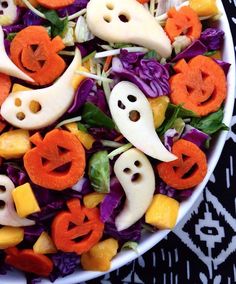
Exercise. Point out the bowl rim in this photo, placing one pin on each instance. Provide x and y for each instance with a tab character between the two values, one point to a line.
148	241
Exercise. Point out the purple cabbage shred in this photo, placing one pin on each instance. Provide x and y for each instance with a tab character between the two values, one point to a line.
212	38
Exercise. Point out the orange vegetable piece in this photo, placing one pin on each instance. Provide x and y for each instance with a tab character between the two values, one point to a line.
78	222
184	21
188	170
57	162
5	87
35	53
200	85
28	261
20	3
143	1
55	4
107	63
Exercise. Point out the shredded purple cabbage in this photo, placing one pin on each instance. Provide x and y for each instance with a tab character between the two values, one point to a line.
64	264
194	49
32	233
169	138
13	28
31	19
224	65
81	95
16	174
212	38
112	200
73	8
195	136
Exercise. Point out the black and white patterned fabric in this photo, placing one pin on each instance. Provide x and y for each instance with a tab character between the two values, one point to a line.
202	249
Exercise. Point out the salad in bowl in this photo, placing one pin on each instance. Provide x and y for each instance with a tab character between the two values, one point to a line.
112	120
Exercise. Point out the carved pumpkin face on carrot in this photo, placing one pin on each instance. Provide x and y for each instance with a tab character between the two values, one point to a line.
35	53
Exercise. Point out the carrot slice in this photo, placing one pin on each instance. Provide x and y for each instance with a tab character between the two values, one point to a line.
5	87
55	4
86	225
57	162
188	170
184	21
107	63
143	1
200	85
27	260
35	54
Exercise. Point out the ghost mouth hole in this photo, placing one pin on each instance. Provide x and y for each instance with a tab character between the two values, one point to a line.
35	106
136	177
134	115
20	116
4	4
2	204
124	18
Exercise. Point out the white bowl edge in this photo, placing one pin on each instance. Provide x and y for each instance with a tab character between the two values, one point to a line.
150	240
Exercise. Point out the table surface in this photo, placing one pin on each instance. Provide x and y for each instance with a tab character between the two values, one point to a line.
202	249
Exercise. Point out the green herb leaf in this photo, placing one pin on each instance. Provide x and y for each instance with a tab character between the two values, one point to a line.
58	26
151	54
183	112
82	127
89	56
99	172
11	36
210	53
211	123
93	116
130	245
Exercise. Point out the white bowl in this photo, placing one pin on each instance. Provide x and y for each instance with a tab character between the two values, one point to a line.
149	240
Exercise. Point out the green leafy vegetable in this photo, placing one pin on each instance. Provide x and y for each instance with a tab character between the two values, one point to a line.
99	172
211	123
82	127
58	26
183	112
93	116
11	36
89	56
151	54
210	53
130	245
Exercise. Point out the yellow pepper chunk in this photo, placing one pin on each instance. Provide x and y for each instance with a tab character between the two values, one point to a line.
19	88
44	244
77	79
163	212
14	144
159	106
25	200
204	8
99	257
85	138
91	200
10	237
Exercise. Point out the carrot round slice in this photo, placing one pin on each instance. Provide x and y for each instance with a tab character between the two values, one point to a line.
35	53
188	170
5	87
27	260
55	4
57	162
184	21
200	85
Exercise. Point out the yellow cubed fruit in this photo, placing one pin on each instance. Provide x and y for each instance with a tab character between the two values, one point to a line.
163	212
99	257
85	138
44	244
14	144
77	79
19	88
25	200
159	106
204	8
10	237
91	200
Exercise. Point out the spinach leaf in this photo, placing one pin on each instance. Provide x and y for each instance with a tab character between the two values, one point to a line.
211	123
82	127
99	172
210	53
183	112
58	26
151	54
11	36
93	116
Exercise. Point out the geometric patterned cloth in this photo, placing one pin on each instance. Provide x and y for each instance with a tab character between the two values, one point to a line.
202	249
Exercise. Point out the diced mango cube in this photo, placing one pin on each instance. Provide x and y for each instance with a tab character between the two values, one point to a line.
25	200
91	200
99	257
204	8
163	212
44	244
10	237
85	138
14	144
159	106
77	79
